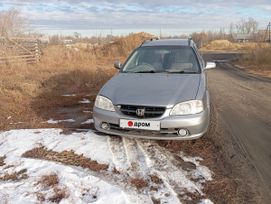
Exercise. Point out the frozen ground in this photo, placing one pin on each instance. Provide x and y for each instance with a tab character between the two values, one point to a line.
180	177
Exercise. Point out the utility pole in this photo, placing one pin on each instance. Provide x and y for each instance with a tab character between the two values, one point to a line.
267	36
269	30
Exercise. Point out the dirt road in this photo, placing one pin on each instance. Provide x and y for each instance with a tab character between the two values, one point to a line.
242	104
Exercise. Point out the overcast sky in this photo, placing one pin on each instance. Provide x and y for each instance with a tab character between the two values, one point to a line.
120	17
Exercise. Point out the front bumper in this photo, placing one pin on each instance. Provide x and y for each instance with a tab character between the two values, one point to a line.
196	125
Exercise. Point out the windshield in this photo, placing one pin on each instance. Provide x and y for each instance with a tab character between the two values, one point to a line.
156	59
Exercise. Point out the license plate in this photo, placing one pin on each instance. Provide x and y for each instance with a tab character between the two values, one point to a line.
140	124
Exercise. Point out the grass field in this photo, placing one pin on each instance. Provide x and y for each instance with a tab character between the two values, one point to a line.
61	70
218	45
255	59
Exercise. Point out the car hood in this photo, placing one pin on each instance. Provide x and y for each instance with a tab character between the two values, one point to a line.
151	89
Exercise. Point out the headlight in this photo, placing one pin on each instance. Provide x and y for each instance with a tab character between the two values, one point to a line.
187	108
104	103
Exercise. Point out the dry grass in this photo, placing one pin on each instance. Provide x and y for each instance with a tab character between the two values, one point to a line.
124	46
256	58
61	70
58	195
2	160
257	61
229	46
65	157
155	179
49	180
260	56
15	176
139	183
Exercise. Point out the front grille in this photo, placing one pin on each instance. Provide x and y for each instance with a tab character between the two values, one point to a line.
150	112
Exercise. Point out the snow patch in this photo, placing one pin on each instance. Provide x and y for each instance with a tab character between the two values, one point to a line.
132	158
206	201
52	121
68	95
85	101
15	123
79	185
87	111
89	121
200	171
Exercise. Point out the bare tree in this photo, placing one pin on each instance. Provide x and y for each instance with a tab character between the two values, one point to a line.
56	40
201	38
249	26
11	23
232	29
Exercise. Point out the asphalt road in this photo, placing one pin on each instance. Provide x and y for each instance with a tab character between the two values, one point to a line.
242	104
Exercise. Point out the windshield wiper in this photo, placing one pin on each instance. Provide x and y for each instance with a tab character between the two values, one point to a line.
147	71
181	72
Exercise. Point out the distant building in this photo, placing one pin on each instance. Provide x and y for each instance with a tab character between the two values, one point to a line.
67	41
242	37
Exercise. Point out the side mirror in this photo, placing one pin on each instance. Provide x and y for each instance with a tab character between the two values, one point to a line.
210	65
117	64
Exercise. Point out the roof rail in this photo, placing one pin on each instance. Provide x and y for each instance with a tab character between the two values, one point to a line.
152	39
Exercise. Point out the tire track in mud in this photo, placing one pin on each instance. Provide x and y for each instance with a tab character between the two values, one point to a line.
135	158
169	169
180	176
139	165
118	152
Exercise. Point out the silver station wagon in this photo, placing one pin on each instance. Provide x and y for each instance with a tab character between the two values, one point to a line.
160	92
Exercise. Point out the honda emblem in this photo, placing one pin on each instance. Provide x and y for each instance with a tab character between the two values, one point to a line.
140	112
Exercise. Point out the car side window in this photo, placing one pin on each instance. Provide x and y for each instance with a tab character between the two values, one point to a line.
133	61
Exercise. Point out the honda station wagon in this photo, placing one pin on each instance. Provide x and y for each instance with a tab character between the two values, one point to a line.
160	92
